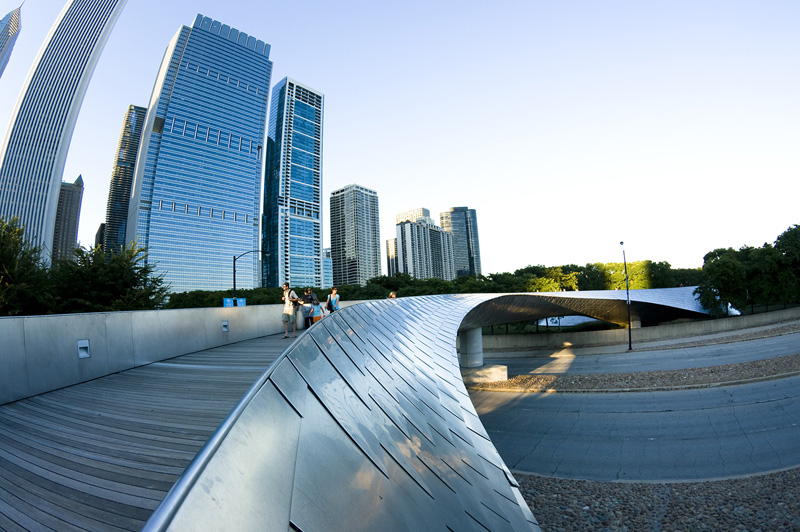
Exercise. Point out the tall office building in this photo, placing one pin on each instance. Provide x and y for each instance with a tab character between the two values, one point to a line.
392	266
355	235
68	213
422	250
462	223
292	226
35	148
196	188
9	29
119	191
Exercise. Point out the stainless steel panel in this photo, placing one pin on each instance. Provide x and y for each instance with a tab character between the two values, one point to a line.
247	484
291	384
380	434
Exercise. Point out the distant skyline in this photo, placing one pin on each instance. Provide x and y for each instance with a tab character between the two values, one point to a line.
568	127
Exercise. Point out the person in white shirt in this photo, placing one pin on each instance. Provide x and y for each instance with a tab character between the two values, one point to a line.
289	299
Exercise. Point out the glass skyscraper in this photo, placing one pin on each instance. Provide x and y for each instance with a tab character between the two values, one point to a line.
292	226
196	191
9	29
355	235
462	223
119	191
35	149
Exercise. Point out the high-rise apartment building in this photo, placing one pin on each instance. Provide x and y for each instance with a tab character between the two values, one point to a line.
119	191
422	250
68	213
35	148
292	225
355	235
462	223
196	189
9	29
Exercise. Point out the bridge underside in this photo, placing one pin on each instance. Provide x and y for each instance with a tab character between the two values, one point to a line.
648	307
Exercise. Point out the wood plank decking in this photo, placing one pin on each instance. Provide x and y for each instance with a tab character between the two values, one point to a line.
103	454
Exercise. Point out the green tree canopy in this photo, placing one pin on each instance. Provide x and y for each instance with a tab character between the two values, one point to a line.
724	281
96	281
24	282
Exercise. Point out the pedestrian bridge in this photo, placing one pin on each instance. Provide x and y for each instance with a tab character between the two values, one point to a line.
363	423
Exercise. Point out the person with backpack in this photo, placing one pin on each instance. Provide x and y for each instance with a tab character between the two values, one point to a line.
333	301
290	302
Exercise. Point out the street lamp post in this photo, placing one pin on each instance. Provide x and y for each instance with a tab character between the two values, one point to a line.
234	270
627	296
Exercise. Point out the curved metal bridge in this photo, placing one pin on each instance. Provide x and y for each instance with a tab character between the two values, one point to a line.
364	423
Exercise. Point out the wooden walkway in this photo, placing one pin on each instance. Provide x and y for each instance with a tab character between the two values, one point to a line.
103	454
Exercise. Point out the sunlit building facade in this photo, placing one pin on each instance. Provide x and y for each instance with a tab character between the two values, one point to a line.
422	250
119	191
35	149
197	184
462	223
9	30
292	224
68	213
355	235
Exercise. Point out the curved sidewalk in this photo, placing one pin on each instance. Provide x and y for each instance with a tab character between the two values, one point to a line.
682	435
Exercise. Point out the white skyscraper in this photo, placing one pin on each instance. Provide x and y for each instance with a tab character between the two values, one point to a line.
422	249
35	149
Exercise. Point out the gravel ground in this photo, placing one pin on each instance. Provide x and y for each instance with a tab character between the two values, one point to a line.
765	502
762	503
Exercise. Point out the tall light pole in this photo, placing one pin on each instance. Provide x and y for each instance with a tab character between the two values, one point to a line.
234	270
627	296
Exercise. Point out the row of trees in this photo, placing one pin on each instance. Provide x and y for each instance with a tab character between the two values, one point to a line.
93	281
96	281
611	276
748	277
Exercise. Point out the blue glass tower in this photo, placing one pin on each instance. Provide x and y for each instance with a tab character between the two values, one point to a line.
292	227
35	150
119	191
196	191
9	29
462	223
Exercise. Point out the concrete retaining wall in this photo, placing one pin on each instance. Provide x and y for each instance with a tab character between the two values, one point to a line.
512	342
41	353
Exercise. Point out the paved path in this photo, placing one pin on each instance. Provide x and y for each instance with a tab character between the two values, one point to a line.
103	454
651	436
616	359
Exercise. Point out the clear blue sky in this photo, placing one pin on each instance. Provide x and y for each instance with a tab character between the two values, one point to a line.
568	126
